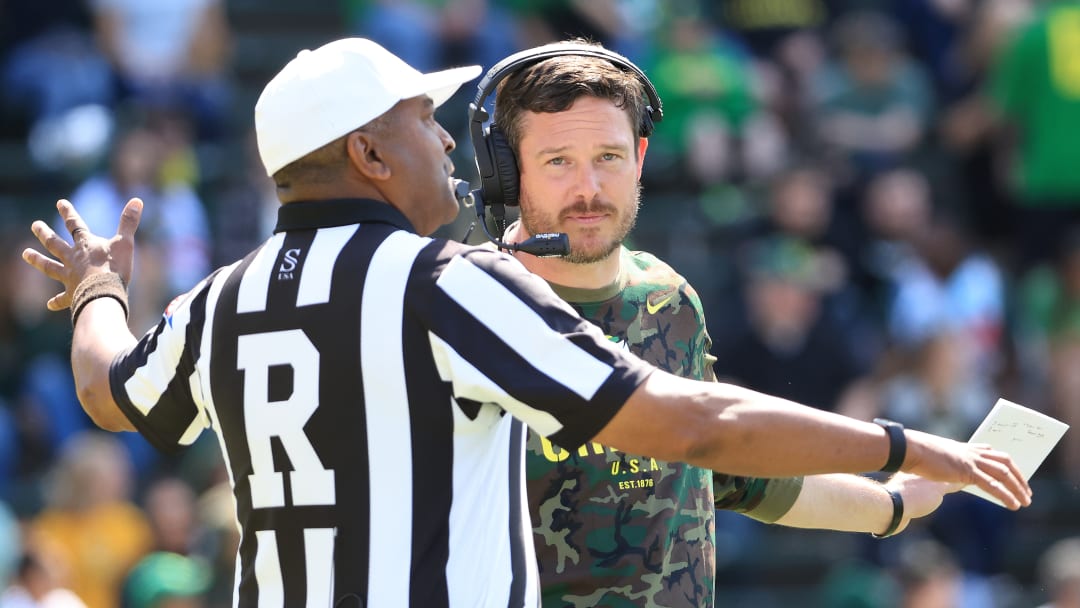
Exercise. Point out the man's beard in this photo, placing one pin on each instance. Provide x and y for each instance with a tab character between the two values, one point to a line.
536	223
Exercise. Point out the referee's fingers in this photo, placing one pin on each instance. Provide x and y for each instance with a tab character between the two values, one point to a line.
72	220
53	243
129	218
59	302
1007	461
1002	467
46	265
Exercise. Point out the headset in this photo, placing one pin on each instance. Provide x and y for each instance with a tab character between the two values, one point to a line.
495	159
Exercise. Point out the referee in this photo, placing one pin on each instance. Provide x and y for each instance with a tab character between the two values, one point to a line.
358	374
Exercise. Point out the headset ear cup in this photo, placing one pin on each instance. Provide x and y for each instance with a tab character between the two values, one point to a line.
506	168
647	124
490	186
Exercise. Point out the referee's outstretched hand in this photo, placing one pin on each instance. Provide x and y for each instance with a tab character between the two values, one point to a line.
941	459
88	254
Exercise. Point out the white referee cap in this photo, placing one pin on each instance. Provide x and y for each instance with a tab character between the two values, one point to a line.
337	88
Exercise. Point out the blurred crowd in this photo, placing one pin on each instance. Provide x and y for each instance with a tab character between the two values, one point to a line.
878	202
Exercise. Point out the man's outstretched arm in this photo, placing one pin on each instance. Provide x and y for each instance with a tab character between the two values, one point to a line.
742	432
852	503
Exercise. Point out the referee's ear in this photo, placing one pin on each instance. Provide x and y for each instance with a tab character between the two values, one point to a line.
364	155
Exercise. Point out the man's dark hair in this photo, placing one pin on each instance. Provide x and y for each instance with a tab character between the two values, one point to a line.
553	85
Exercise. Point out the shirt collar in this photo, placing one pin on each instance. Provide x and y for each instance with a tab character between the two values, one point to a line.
308	215
578	295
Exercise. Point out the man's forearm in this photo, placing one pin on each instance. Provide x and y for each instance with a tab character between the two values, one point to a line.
847	503
740	432
100	334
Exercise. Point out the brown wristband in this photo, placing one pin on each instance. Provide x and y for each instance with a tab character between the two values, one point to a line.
103	285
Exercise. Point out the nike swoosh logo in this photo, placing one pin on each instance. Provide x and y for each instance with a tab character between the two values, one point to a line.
652	308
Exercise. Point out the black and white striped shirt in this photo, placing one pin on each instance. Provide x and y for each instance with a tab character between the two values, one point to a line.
357	376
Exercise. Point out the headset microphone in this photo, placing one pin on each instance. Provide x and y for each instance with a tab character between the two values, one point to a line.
551	244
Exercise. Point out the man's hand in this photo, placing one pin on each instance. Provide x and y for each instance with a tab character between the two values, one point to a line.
90	254
940	459
921	496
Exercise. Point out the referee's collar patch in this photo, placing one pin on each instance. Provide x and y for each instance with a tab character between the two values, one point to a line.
171	308
309	215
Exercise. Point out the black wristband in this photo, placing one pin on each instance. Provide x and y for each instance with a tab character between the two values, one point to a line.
897	514
897	444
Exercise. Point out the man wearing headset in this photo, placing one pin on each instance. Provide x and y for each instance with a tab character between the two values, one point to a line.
615	528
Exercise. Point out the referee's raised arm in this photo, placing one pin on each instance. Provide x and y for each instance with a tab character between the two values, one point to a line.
95	272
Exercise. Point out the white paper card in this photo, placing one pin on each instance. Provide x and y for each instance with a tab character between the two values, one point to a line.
1026	435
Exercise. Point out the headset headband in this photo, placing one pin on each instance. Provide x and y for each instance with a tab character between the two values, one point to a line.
498	72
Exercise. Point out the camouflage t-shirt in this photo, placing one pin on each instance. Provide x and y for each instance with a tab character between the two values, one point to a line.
615	529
